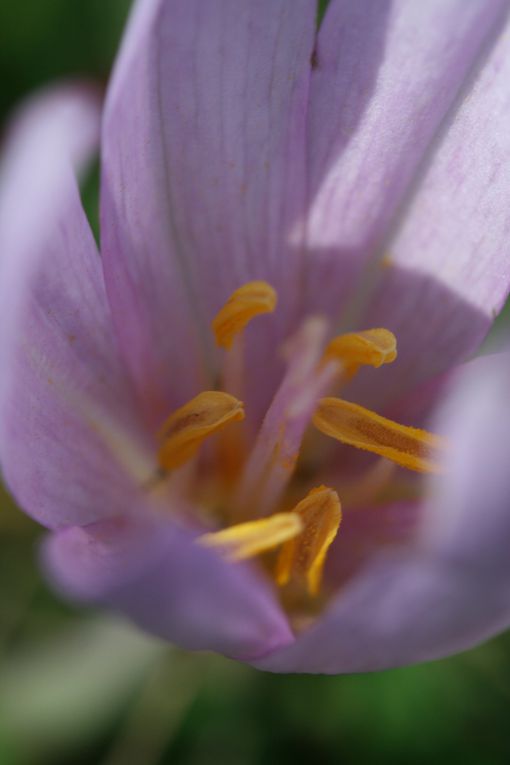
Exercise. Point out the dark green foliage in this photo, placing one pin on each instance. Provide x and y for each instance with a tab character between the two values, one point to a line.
321	10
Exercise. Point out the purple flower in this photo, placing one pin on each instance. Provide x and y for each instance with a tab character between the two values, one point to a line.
171	410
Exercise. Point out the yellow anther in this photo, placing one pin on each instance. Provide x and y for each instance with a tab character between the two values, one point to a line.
372	347
302	558
243	305
188	426
354	425
245	540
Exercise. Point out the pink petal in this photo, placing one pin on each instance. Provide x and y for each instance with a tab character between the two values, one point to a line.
451	590
61	383
366	530
450	262
169	585
203	170
387	75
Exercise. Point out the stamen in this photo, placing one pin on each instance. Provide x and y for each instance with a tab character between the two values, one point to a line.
356	426
373	347
303	558
245	540
250	300
191	424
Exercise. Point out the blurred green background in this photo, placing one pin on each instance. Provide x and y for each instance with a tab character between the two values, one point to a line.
81	687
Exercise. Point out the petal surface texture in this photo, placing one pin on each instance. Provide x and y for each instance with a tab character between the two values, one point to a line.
409	140
447	269
449	590
169	585
388	80
61	382
203	171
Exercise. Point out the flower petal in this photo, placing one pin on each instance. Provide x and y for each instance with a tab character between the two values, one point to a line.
387	73
61	383
169	585
448	269
203	169
450	591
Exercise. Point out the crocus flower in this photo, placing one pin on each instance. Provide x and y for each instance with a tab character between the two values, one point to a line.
280	207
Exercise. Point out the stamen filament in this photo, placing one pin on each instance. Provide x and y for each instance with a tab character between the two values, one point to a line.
247	302
246	540
354	425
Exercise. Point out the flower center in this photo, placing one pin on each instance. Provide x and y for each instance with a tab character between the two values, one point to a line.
247	486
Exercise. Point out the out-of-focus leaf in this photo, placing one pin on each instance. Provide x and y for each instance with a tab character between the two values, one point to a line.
60	692
41	40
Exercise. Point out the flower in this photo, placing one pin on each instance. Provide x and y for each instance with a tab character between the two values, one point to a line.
279	207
